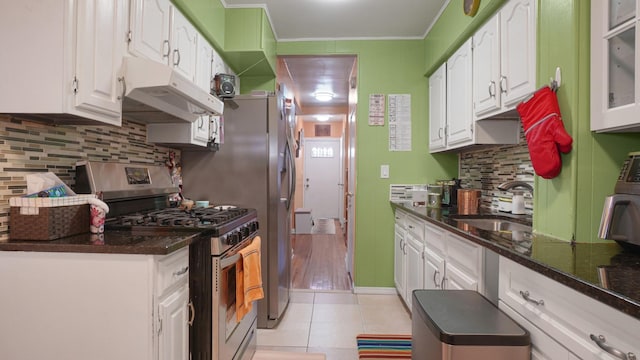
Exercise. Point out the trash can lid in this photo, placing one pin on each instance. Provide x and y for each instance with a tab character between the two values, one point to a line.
465	317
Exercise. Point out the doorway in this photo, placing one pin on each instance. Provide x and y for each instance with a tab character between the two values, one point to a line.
327	193
322	178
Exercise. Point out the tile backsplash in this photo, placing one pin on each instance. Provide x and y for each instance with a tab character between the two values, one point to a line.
27	147
487	167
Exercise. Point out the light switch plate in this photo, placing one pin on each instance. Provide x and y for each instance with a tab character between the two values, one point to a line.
384	171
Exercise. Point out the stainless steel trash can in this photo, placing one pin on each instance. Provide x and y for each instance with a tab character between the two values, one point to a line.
462	324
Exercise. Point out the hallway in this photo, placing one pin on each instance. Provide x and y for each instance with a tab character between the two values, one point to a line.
318	261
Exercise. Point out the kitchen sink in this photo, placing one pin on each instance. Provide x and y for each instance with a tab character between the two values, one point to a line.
493	223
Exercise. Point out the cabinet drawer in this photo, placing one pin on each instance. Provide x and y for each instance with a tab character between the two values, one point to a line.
416	227
434	240
465	255
173	269
401	218
542	346
566	315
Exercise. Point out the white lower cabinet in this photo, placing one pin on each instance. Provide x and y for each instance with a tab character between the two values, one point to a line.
94	306
408	255
566	316
451	262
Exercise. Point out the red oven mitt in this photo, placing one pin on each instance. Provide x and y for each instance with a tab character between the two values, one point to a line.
545	133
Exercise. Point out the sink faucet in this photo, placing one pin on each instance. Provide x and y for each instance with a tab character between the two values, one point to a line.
515	184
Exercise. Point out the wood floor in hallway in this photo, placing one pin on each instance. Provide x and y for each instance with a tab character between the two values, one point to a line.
318	261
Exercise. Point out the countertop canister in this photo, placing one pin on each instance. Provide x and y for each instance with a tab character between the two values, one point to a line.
469	201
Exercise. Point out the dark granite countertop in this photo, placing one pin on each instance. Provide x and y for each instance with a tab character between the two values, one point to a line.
141	242
603	271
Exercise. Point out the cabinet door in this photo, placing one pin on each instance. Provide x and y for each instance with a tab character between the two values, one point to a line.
150	25
433	270
415	267
184	45
459	98
204	64
99	50
518	50
486	68
399	258
200	129
457	279
173	338
438	109
614	80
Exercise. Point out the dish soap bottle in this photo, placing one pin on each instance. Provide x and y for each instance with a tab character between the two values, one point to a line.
517	203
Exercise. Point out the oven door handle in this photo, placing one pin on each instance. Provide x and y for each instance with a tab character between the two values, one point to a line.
229	261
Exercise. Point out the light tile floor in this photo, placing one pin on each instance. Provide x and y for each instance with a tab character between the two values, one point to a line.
328	322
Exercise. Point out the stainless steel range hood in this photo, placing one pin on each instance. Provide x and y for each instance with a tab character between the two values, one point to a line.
156	93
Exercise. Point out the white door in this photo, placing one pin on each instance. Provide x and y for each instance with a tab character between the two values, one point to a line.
173	329
351	191
322	178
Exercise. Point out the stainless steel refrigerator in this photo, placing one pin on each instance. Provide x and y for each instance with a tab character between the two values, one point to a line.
254	167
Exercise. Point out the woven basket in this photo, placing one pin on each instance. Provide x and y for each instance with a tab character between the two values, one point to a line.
50	223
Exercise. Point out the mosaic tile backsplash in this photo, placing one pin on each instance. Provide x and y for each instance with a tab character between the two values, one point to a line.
485	168
27	147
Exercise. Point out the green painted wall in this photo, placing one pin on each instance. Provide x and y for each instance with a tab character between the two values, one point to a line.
208	16
452	29
384	67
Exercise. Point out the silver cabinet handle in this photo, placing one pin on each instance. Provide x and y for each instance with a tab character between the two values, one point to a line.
435	281
600	341
525	295
492	88
124	87
444	279
176	53
181	271
440	133
503	80
192	311
167	47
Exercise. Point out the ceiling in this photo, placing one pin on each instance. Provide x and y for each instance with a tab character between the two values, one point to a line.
308	20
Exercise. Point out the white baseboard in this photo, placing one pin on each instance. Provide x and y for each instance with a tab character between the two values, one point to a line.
375	290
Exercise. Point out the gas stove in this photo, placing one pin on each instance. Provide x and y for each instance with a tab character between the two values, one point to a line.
226	227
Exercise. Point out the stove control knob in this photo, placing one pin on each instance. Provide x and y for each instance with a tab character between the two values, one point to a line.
254	226
245	231
234	238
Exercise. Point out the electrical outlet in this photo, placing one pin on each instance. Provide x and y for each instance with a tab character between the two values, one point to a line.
384	171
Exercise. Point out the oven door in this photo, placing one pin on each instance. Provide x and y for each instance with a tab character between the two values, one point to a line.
232	336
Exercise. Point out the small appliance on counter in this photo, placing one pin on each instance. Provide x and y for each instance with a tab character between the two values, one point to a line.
434	196
449	192
621	214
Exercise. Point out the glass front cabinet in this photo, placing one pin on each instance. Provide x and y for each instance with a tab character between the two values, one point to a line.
615	102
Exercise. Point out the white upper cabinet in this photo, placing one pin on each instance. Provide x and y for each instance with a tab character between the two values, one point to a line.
438	109
486	68
615	101
69	53
504	59
518	50
150	23
161	33
204	64
459	97
184	46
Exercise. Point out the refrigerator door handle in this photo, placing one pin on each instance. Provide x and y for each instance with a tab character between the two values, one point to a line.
292	174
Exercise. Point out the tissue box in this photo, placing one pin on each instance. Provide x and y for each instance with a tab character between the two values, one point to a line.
48	218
